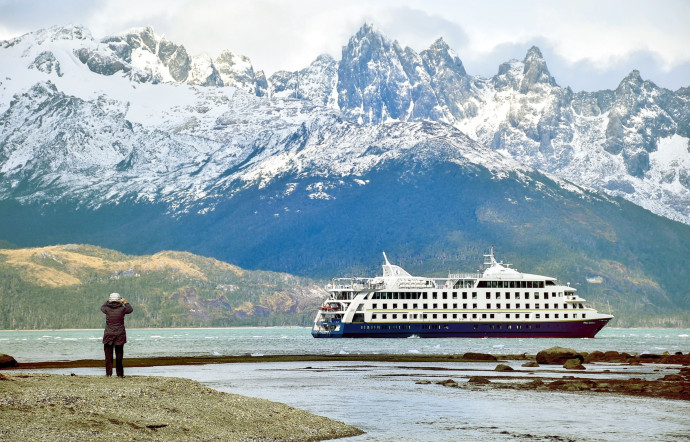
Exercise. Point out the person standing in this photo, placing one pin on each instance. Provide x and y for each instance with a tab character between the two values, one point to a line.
115	336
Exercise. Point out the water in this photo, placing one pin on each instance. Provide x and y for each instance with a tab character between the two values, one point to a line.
383	399
31	346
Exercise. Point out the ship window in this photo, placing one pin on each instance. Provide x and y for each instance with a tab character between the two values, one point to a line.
488	306
373	306
464	295
474	305
424	316
546	316
455	295
517	305
488	295
474	295
517	295
517	315
527	315
553	294
565	316
483	315
385	306
529	284
527	306
435	306
492	317
434	295
445	316
494	283
474	316
373	316
445	306
498	295
464	306
425	306
405	306
574	315
584	316
498	306
464	316
536	305
508	306
395	316
433	316
455	306
546	305
404	316
556	316
384	316
512	284
508	317
395	306
414	306
445	295
526	295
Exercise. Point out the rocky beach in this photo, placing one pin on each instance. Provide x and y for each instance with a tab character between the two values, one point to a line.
35	405
50	407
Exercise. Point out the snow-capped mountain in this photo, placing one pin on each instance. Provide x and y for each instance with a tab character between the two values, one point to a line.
631	142
131	143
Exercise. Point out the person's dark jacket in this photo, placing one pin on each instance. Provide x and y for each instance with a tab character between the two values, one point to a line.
115	312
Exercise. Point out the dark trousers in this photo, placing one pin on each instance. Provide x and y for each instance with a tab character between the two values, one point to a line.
119	352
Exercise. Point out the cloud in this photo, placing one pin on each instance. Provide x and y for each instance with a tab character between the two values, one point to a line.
588	44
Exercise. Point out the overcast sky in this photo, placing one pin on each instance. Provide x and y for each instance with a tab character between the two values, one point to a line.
588	45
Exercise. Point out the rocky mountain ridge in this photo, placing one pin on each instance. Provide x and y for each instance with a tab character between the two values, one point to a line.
630	142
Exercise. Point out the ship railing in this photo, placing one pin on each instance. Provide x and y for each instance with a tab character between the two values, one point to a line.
355	284
464	276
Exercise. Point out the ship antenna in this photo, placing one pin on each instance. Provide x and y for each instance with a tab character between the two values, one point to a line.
385	258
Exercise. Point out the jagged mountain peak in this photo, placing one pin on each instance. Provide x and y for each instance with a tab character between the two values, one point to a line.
440	55
535	72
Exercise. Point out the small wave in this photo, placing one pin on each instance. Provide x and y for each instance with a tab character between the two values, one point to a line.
413	337
683	336
257	355
343	352
215	353
157	336
413	351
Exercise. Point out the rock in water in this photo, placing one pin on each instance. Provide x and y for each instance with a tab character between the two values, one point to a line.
7	361
573	364
558	356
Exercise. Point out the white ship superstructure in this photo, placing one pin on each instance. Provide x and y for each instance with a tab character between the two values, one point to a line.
498	302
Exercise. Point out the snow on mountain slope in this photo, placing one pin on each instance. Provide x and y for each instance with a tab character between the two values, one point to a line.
136	116
99	138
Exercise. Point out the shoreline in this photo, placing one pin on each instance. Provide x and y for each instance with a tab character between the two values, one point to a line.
53	407
671	382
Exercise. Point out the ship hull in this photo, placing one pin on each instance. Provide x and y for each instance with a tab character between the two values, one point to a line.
561	329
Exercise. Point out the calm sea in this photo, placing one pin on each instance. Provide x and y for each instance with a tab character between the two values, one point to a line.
383	398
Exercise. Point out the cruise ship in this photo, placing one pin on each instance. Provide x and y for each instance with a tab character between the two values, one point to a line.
498	302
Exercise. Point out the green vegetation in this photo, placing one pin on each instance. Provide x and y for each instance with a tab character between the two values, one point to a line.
64	287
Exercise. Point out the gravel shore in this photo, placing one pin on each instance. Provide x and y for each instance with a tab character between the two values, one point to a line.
50	407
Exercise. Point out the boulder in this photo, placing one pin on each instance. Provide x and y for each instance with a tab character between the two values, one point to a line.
573	364
530	364
558	356
479	357
448	383
479	380
503	367
7	361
